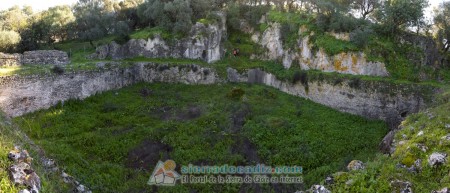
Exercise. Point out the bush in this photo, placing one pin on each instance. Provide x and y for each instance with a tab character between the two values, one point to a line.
361	37
9	40
288	34
343	23
251	14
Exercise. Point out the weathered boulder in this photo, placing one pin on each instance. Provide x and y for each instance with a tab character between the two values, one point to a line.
355	165
21	172
33	181
437	159
10	59
386	144
401	186
55	57
17	172
443	190
18	155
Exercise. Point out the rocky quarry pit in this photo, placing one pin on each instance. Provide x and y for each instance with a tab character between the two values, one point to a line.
390	102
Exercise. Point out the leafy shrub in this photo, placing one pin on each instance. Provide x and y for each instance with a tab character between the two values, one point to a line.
361	37
289	34
9	40
343	23
251	14
331	45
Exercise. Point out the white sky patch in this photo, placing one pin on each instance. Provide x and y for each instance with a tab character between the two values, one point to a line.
39	5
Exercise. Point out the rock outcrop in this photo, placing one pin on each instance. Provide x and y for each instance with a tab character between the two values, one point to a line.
203	42
370	99
21	172
348	63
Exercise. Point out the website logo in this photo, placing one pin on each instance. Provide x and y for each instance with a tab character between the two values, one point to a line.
164	174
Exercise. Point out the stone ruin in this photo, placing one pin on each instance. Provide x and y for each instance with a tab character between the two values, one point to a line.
7	60
54	57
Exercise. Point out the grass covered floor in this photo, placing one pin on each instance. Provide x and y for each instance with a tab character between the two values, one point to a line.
112	141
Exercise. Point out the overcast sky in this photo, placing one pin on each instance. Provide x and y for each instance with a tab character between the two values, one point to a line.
39	5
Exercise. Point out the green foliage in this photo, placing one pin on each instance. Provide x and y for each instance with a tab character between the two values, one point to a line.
408	160
361	37
9	41
331	45
92	138
174	16
93	19
57	19
337	22
399	14
243	42
251	14
15	19
151	32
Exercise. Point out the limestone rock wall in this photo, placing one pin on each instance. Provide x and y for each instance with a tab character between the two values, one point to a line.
347	63
20	95
203	42
371	99
36	57
7	60
374	100
45	57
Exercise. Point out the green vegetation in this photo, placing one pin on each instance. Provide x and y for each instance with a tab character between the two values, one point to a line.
434	124
209	124
331	45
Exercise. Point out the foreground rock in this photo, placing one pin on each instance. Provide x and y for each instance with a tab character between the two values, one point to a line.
401	186
318	189
21	172
437	159
355	165
443	190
